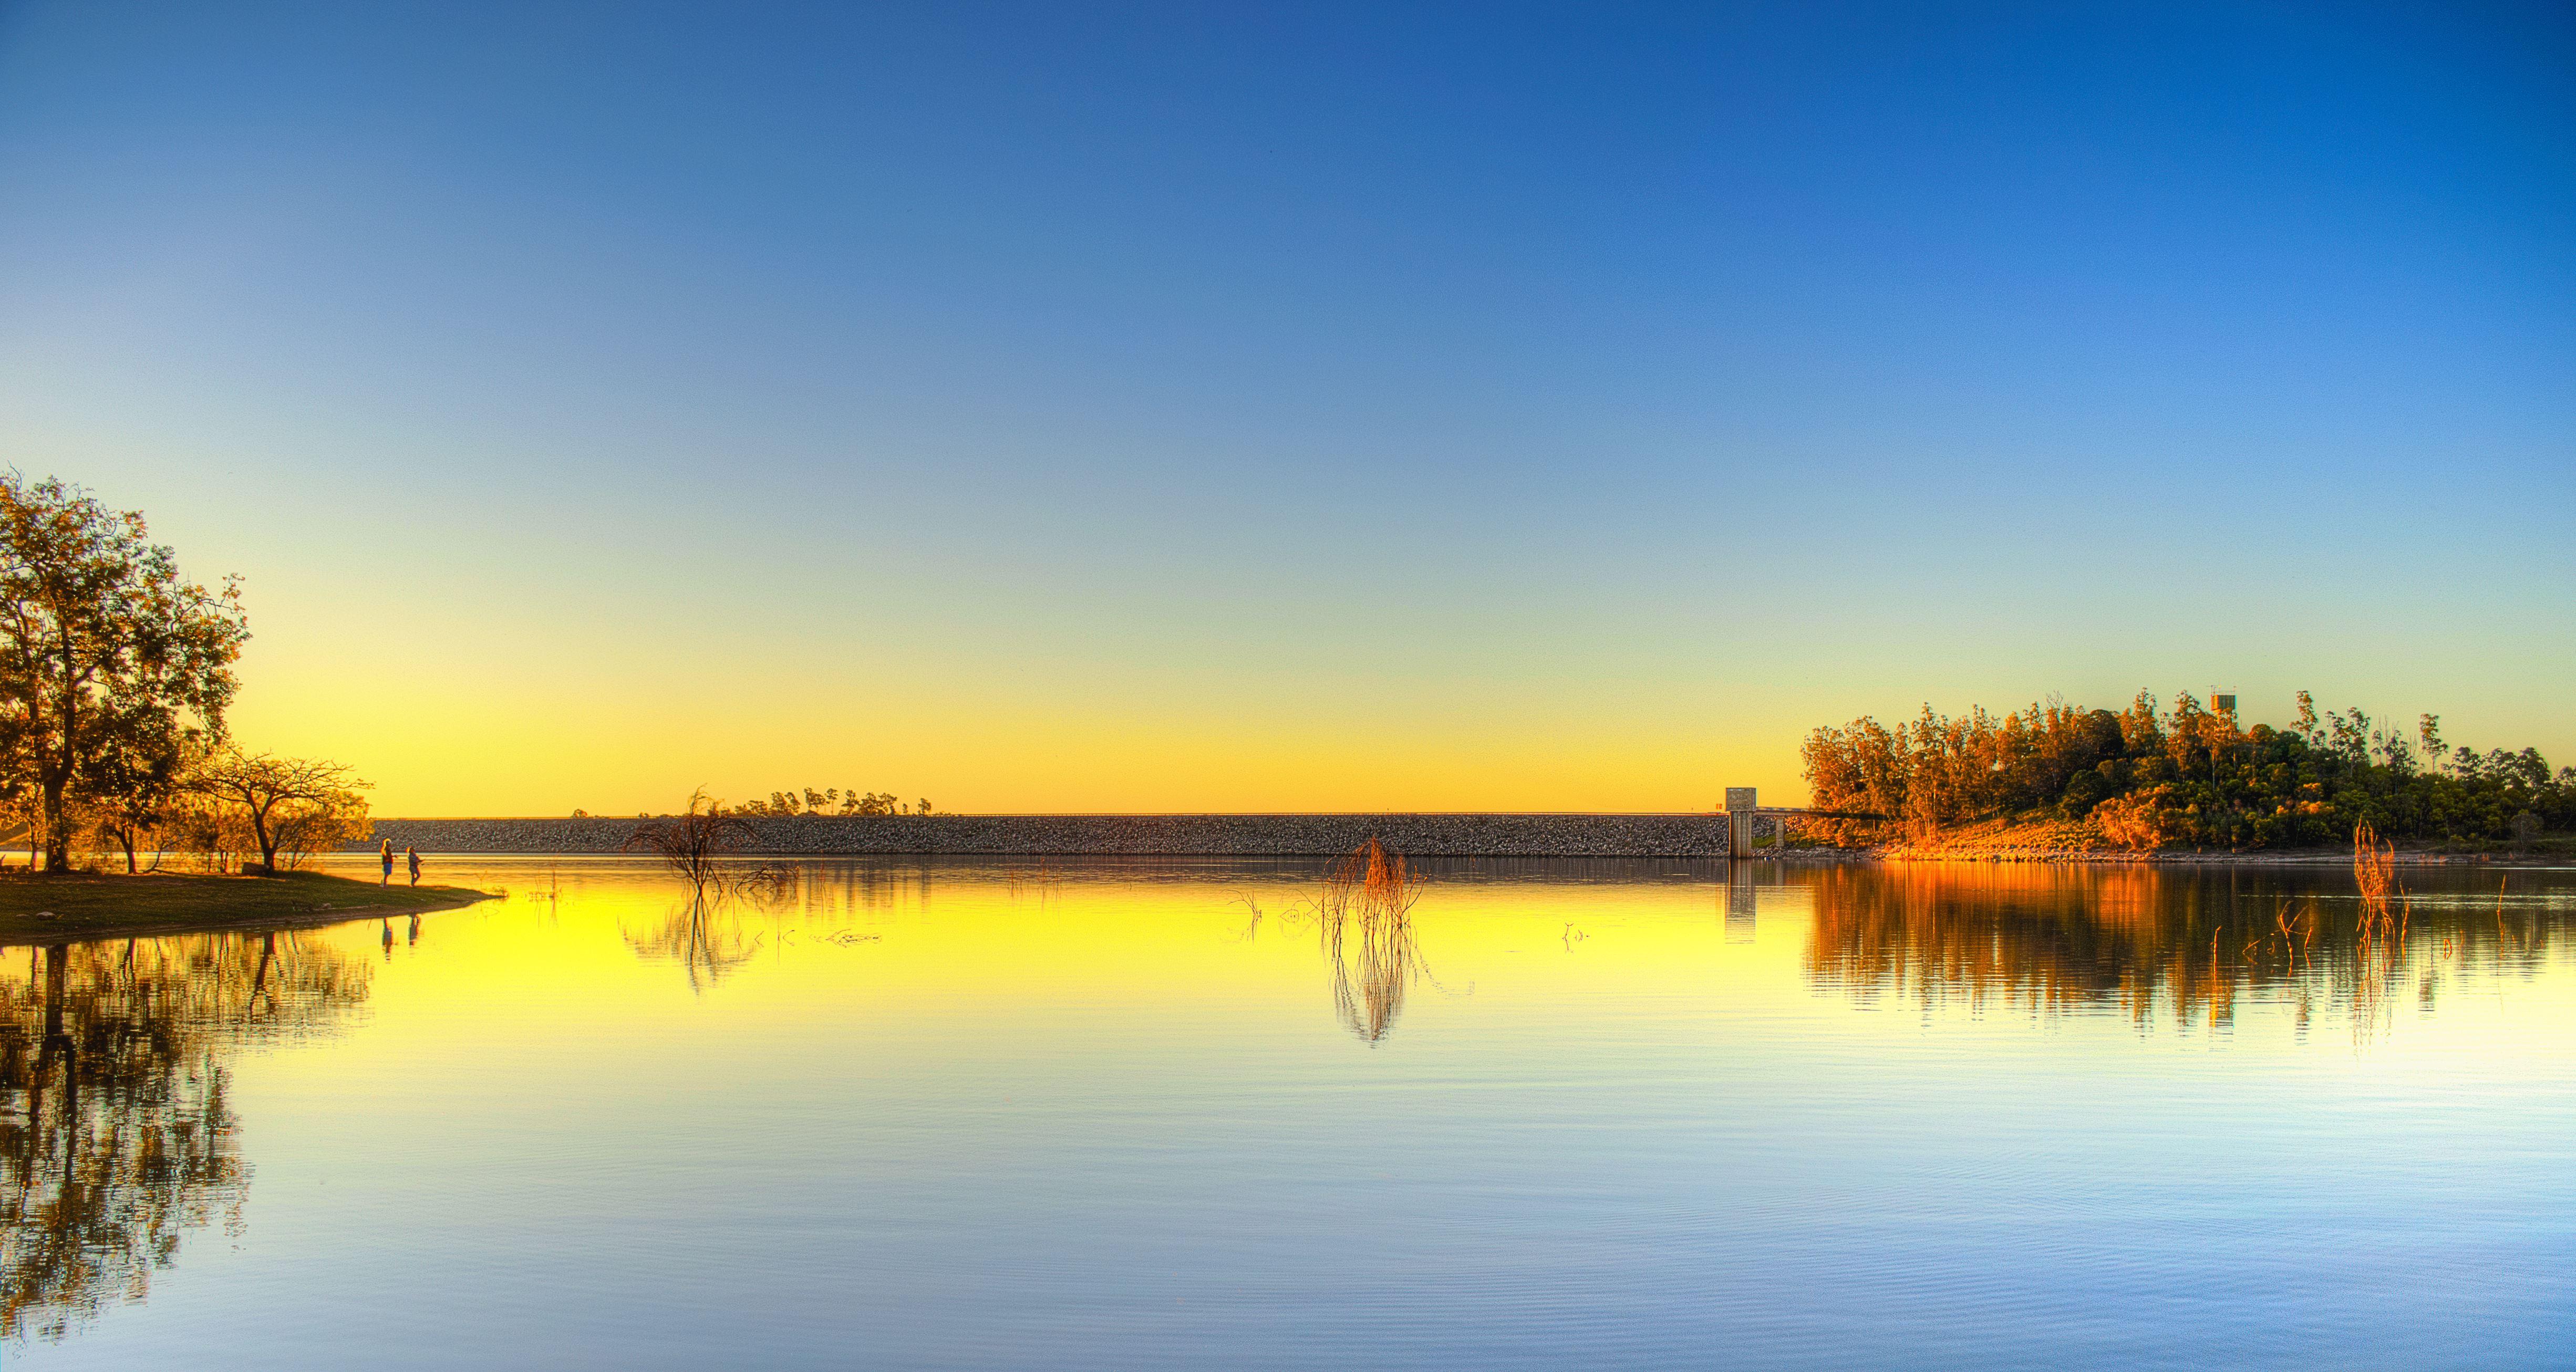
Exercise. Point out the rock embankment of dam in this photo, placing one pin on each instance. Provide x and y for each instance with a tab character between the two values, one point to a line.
1415	835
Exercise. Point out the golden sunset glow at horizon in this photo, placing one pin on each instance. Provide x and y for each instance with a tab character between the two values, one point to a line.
1142	428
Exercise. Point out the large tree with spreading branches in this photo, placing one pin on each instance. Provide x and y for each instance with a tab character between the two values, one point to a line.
299	804
108	656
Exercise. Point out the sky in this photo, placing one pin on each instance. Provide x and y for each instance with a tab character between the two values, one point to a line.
1113	408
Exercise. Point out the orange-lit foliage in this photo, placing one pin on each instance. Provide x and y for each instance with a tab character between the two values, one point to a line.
2144	778
2385	909
1370	892
1369	881
2130	822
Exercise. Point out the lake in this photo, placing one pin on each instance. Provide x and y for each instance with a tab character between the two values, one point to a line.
1102	1114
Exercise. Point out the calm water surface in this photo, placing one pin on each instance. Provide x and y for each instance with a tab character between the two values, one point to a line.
1159	1114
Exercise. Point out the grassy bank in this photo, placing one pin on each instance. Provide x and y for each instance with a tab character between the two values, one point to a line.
84	906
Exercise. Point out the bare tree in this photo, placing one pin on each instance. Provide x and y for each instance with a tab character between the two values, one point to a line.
694	840
274	794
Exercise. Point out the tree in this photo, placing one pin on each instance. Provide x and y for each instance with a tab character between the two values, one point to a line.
305	827
2186	776
2428	728
195	822
104	651
133	781
695	841
281	798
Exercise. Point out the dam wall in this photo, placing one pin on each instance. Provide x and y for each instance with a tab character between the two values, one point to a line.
1414	835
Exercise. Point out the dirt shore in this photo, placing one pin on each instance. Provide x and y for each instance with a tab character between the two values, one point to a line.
80	906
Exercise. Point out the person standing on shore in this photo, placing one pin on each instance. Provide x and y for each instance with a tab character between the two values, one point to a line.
411	855
386	851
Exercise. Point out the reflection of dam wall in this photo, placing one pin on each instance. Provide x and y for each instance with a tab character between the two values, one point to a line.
1457	835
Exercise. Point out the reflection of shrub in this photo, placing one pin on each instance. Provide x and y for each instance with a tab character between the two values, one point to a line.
1372	891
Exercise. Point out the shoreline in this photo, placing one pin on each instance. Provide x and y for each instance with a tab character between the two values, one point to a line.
90	907
2252	857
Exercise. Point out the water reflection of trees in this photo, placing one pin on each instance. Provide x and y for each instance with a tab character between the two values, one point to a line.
2155	942
707	940
115	1129
1374	960
705	934
712	933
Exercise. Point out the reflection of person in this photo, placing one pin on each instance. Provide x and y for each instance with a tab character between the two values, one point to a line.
412	856
389	934
387	853
415	930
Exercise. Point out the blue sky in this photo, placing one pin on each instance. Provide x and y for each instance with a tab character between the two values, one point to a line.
1147	408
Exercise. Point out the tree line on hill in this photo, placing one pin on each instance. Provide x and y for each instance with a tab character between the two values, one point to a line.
833	801
115	673
2186	776
808	801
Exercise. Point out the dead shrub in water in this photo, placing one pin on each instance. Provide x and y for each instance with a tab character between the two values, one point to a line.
1370	891
1367	881
1046	881
2384	904
2386	910
694	841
